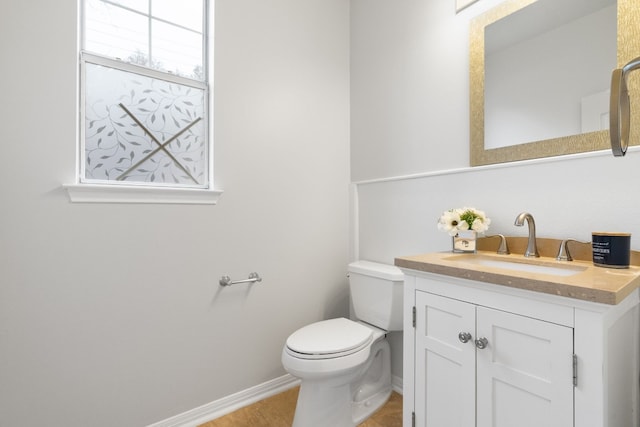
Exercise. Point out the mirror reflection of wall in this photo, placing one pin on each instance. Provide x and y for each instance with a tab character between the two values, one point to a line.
547	71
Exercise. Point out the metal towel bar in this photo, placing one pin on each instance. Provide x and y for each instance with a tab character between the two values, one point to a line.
253	277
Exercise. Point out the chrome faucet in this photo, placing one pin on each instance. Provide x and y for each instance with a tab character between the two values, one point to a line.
532	248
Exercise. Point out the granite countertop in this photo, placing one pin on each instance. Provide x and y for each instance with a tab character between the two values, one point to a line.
585	280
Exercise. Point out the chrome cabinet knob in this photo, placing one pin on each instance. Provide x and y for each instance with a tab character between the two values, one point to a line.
482	343
464	337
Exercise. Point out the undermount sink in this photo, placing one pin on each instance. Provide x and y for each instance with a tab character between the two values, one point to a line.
519	264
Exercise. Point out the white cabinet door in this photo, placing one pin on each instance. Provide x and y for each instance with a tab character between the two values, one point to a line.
523	377
444	366
525	373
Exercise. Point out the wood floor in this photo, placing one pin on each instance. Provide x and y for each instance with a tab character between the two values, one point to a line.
277	411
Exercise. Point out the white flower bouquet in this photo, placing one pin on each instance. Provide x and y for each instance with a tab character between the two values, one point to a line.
462	219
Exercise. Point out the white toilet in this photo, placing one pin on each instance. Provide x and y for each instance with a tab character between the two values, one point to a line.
345	365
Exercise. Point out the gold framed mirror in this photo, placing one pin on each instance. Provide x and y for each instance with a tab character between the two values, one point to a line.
628	47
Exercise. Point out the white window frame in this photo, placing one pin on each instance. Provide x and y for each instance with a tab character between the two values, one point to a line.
131	192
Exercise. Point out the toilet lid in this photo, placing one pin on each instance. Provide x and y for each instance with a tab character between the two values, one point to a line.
329	338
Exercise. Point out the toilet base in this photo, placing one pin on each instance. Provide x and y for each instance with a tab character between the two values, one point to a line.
374	389
319	405
362	410
346	400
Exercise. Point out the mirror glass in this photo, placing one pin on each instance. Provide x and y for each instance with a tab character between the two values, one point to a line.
547	72
540	73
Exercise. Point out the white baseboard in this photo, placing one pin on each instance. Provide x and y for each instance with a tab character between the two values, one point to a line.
396	383
228	404
220	407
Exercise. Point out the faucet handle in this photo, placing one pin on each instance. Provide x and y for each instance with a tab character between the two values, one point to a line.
503	249
563	250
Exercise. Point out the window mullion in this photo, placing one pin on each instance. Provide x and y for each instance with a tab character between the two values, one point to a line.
137	69
150	32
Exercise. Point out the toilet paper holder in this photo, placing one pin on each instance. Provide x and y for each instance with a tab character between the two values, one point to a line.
253	277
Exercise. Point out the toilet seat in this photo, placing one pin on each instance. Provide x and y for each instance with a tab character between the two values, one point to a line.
329	339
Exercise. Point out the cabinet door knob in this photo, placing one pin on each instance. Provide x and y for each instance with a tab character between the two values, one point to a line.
482	343
464	337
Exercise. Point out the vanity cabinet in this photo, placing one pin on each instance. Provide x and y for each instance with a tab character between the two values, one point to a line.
516	368
479	354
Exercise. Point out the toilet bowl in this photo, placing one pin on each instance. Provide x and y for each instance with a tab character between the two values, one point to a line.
345	365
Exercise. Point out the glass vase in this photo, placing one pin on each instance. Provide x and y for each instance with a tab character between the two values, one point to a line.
465	241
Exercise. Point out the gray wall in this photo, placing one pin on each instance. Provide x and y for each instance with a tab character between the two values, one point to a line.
111	314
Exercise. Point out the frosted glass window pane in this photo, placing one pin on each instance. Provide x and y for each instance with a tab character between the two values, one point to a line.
177	50
189	14
114	31
119	148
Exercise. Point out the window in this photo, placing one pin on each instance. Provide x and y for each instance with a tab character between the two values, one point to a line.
144	94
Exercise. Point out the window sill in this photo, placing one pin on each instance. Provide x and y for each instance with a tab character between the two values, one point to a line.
91	193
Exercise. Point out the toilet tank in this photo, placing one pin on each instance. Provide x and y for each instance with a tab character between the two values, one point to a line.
377	294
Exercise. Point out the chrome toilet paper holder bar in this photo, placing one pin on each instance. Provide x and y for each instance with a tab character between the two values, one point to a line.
253	277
